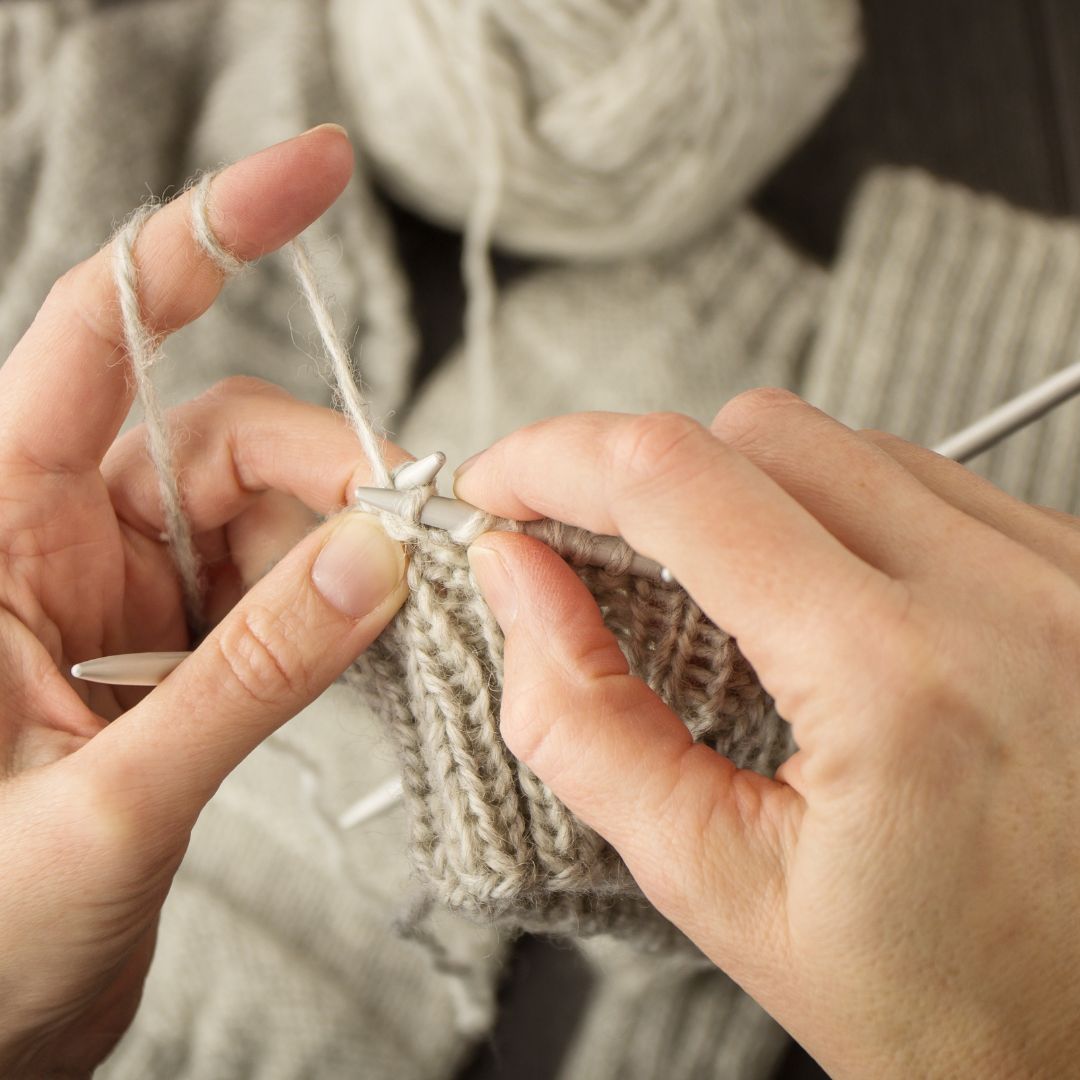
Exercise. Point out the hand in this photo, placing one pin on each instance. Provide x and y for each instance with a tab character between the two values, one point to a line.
903	897
95	815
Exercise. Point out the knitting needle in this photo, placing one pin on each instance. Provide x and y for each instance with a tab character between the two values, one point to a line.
148	669
455	514
420	472
129	669
1012	416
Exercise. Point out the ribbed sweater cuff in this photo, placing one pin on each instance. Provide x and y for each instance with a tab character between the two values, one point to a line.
945	303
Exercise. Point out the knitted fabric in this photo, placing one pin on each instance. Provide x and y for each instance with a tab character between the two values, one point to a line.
674	1016
276	956
270	964
738	293
488	837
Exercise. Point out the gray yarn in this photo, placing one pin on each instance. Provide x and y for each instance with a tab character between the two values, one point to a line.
488	838
623	127
345	381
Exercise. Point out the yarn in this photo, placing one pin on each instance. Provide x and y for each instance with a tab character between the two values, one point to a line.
585	128
487	837
144	349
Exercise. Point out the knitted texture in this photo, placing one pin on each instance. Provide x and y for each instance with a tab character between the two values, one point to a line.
487	835
136	97
676	1015
276	957
945	304
271	964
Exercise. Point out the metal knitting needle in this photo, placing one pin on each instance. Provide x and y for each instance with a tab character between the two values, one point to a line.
1012	416
454	514
420	472
149	669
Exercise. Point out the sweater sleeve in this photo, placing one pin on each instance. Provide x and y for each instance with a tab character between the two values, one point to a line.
944	304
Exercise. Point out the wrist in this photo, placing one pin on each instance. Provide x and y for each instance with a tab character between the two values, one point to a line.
957	1050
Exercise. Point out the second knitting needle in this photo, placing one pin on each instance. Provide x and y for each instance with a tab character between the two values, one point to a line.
129	669
1012	416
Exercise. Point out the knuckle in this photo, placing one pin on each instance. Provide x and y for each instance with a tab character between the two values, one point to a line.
67	295
262	657
526	726
884	439
245	386
745	416
1055	597
897	641
654	447
932	697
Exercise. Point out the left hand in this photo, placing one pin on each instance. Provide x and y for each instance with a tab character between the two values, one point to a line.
100	787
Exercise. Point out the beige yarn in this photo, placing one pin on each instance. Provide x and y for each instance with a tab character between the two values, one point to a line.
144	350
583	129
606	127
488	838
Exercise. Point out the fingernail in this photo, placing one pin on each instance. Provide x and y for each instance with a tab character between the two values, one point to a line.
496	584
463	468
359	566
327	127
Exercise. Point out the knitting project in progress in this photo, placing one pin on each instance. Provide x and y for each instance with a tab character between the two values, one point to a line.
488	838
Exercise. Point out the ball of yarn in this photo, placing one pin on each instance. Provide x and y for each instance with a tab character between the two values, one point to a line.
602	128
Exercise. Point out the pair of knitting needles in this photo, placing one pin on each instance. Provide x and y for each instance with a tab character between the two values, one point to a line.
149	669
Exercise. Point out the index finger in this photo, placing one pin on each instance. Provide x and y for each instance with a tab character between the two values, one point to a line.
66	373
243	437
759	563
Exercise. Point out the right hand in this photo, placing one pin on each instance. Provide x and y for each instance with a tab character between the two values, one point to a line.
905	895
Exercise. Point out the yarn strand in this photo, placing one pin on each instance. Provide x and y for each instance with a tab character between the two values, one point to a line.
479	277
488	838
143	350
345	382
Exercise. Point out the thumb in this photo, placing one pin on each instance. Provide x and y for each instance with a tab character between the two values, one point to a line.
284	643
705	841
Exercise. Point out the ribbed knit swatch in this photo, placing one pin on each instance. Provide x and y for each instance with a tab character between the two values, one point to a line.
489	837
